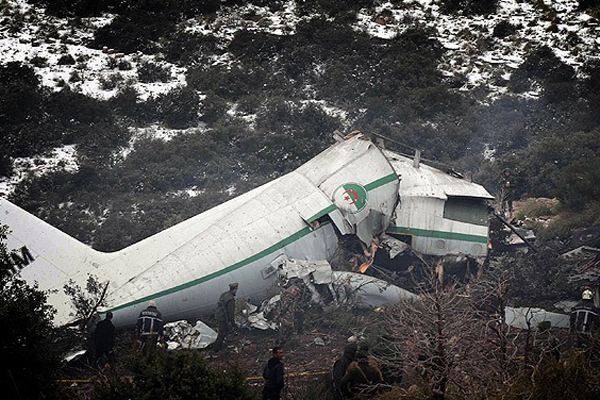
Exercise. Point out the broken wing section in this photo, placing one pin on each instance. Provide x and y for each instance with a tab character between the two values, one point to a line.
361	184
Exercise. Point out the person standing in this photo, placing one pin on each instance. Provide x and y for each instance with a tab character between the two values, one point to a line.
224	314
273	375
149	327
104	338
507	193
585	317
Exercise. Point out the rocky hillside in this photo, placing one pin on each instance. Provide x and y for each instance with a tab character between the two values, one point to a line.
123	116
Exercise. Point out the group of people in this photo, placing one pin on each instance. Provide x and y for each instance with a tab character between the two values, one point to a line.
149	330
355	371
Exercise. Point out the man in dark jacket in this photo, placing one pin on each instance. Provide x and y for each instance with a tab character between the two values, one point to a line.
361	376
340	368
273	374
224	314
585	317
104	338
150	327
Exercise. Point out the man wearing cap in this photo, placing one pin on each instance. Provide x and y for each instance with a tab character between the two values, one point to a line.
150	327
224	314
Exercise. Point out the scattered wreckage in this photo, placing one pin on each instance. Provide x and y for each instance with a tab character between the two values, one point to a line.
304	284
352	188
582	268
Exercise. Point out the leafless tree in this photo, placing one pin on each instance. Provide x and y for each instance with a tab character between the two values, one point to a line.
454	339
436	340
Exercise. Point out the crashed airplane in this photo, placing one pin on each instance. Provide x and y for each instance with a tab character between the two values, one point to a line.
352	188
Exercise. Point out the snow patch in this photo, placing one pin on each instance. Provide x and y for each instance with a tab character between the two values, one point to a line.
61	158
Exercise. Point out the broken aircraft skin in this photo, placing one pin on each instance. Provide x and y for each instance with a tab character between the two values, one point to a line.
439	214
350	188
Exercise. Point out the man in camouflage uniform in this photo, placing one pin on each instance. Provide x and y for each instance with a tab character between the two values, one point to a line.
294	302
225	314
507	193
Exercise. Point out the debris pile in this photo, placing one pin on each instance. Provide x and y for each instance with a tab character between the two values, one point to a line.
313	284
183	335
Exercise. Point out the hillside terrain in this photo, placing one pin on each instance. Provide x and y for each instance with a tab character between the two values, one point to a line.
120	118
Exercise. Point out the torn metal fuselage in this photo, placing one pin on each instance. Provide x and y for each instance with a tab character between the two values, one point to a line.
439	214
352	188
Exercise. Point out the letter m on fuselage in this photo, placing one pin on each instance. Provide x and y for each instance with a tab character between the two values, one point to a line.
21	260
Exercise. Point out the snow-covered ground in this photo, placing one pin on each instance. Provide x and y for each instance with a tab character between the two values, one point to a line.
473	54
472	51
61	158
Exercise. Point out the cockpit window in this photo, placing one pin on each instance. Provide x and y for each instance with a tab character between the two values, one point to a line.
466	209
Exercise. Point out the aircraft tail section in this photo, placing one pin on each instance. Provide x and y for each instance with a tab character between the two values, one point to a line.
48	257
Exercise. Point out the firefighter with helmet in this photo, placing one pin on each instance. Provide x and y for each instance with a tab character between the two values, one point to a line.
585	317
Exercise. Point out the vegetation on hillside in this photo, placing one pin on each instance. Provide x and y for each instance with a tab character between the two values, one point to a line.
29	360
265	114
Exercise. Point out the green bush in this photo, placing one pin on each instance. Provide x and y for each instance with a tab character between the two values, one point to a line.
149	72
574	377
134	32
179	108
213	108
183	374
29	362
533	208
504	29
184	48
128	104
66	59
541	66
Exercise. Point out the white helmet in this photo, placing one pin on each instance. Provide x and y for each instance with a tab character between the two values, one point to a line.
587	295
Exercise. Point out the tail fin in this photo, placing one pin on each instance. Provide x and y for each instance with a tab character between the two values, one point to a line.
48	257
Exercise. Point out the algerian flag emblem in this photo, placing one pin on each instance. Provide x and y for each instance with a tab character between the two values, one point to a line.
350	197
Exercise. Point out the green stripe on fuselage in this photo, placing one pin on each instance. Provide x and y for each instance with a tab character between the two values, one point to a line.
381	181
437	234
281	244
258	256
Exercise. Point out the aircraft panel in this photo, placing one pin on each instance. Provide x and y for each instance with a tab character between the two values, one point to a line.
335	158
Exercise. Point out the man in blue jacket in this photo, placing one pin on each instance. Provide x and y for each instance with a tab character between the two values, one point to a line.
273	374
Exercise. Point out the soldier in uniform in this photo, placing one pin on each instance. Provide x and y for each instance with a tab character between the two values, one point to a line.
273	374
224	314
340	367
507	193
